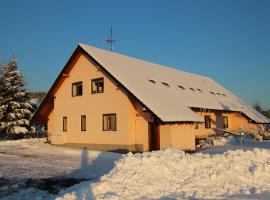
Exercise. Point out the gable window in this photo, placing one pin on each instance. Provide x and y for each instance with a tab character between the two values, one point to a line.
83	122
64	124
225	122
97	85
207	120
109	122
77	89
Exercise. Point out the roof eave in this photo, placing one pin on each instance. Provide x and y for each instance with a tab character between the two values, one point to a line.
36	118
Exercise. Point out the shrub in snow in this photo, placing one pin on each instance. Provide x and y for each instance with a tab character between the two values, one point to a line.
39	130
255	136
205	143
16	107
266	136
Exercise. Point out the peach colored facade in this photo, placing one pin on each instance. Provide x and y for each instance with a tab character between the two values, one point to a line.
180	136
133	129
93	106
236	123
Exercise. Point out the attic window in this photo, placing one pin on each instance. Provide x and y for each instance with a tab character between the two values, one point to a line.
180	86
97	85
152	81
77	89
212	92
199	89
166	84
192	89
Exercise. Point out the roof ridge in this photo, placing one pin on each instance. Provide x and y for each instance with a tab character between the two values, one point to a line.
145	61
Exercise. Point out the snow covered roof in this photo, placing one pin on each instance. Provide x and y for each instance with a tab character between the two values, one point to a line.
168	92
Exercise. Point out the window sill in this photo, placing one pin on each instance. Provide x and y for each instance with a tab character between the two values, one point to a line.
113	131
97	92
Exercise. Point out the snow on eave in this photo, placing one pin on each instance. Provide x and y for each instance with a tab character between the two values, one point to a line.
245	108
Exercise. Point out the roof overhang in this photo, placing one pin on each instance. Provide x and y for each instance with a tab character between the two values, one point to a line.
47	104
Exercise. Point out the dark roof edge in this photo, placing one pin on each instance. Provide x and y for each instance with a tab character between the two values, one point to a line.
49	93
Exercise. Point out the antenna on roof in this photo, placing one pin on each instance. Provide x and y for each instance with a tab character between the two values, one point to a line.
110	41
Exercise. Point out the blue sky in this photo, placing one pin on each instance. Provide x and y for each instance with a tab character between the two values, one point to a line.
227	40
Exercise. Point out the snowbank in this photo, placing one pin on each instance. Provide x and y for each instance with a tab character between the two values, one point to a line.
36	141
174	174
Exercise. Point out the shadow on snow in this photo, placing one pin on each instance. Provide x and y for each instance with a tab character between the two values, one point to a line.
89	170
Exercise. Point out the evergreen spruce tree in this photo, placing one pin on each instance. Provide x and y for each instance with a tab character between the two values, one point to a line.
16	107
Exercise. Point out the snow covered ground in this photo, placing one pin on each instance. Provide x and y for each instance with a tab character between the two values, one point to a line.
172	174
213	173
21	161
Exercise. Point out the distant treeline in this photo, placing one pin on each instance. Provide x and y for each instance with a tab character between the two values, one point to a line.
259	108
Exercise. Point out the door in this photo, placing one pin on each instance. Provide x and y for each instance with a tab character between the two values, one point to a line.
153	133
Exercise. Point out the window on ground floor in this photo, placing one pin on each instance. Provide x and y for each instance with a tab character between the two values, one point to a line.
109	122
83	122
207	120
65	124
225	122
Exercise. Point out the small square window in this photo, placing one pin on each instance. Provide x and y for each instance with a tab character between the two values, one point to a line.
83	122
64	124
97	85
109	122
77	89
207	120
